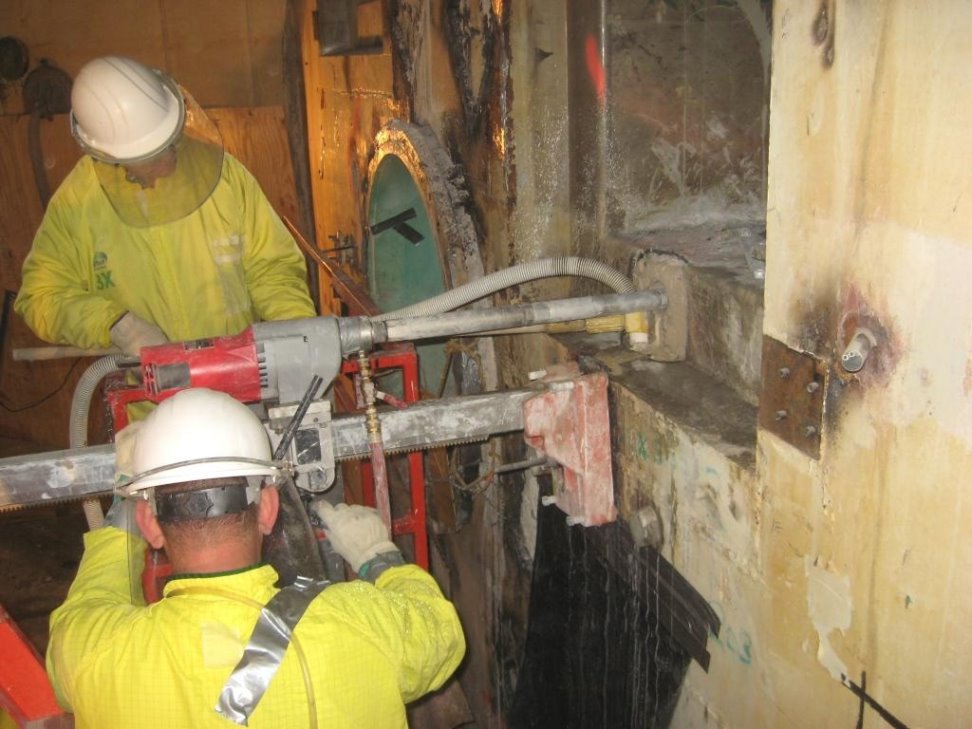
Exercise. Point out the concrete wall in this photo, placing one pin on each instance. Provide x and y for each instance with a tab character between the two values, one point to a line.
838	578
842	586
864	551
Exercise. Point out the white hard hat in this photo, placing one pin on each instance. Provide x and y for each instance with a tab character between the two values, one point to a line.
199	434
123	111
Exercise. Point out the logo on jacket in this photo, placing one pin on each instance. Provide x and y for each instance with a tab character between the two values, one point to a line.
102	275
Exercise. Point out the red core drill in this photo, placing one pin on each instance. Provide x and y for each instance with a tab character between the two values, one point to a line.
267	361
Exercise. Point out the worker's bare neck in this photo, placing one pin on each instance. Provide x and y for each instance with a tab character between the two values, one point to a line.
213	559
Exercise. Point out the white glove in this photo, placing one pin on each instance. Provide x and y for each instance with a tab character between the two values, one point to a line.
131	333
121	514
357	533
125	451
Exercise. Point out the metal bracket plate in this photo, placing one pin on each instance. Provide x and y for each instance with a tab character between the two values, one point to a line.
791	402
570	424
668	327
312	449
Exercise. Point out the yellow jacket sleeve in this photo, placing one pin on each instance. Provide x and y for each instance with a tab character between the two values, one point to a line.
101	598
56	297
213	272
421	630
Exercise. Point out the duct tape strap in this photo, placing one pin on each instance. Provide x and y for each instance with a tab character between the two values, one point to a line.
265	651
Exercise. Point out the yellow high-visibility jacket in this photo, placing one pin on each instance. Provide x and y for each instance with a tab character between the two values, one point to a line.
369	648
214	272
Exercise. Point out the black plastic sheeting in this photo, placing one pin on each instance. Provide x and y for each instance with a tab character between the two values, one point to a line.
596	654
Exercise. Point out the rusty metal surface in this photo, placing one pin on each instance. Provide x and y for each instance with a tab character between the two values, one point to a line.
791	404
570	423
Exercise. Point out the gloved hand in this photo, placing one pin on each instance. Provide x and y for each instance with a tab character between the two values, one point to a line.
121	514
125	451
357	533
131	333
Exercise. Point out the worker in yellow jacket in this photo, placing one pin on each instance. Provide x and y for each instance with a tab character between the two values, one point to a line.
157	234
224	644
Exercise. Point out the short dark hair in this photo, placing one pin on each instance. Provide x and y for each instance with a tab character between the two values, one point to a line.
183	516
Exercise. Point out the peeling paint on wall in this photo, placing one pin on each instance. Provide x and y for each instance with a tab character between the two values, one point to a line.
830	608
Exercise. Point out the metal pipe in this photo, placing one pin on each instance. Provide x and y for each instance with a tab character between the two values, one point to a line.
857	350
484	321
379	473
348	290
45	478
38	354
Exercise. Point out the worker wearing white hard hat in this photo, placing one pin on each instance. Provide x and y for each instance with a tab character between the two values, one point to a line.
224	644
157	234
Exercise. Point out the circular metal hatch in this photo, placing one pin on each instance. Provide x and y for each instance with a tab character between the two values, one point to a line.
421	242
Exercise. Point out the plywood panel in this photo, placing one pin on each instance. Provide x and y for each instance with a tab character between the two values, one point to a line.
225	53
18	199
258	138
71	33
342	122
223	50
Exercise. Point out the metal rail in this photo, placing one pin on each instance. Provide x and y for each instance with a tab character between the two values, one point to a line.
45	478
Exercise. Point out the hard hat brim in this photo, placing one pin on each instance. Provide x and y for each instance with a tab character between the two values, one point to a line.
197	470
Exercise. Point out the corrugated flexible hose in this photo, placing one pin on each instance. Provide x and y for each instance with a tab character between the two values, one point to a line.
521	273
78	434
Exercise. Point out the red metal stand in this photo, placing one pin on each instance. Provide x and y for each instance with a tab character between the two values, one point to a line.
25	691
413	523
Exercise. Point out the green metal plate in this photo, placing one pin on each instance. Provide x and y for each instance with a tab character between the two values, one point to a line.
405	263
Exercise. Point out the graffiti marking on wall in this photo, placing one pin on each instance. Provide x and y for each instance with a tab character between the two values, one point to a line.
736	641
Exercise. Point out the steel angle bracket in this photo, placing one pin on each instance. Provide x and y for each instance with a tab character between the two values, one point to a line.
792	399
569	422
